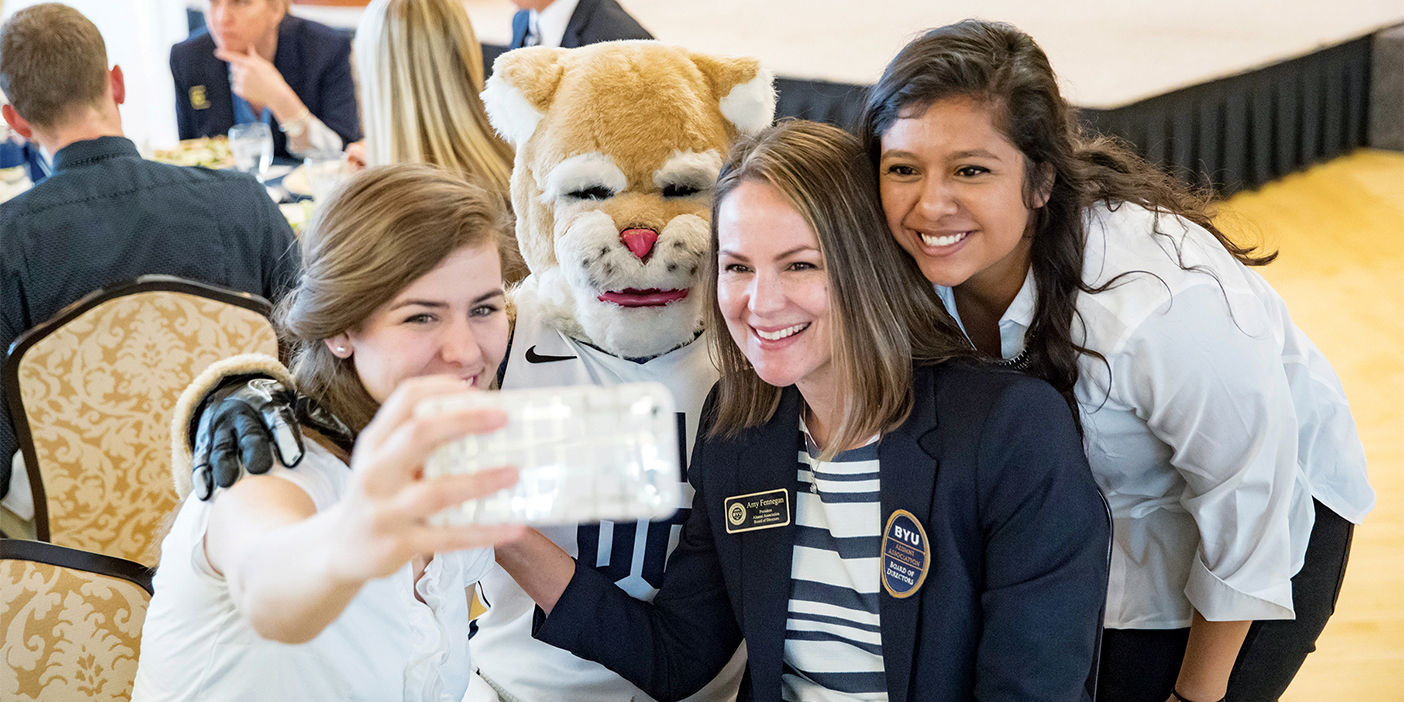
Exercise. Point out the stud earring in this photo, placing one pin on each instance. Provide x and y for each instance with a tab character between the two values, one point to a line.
341	349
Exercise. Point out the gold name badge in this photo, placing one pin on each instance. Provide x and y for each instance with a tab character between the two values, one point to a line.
906	555
758	510
197	98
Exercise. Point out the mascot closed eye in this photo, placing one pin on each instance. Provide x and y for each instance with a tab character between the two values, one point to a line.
618	147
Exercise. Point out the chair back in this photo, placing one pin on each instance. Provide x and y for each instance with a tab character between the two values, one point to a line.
72	624
91	394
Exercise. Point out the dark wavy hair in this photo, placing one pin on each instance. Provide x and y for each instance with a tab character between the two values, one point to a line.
1000	66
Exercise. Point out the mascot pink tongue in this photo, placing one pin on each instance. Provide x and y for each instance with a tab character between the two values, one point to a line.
618	148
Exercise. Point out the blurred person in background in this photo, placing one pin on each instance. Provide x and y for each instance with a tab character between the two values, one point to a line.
572	23
106	215
421	69
258	63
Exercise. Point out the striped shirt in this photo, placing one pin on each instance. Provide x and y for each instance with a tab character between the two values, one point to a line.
833	643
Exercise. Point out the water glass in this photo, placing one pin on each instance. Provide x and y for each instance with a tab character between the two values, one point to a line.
325	171
252	145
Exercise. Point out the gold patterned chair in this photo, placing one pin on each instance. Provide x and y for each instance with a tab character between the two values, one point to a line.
91	393
72	623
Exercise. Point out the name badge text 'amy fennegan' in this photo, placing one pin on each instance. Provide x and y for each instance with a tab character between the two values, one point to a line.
758	510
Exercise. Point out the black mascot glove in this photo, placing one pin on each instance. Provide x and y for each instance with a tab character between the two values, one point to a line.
244	421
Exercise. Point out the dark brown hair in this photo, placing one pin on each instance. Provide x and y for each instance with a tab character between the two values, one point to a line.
883	313
52	62
381	231
1002	67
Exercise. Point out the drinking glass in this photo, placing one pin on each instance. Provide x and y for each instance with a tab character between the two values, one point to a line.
252	145
325	171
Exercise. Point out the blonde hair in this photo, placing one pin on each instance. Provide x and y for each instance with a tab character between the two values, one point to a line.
883	312
381	231
421	69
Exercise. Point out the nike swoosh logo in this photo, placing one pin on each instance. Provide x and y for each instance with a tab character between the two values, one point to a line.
533	357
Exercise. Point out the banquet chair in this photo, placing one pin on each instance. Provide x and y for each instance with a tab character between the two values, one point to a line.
72	625
91	393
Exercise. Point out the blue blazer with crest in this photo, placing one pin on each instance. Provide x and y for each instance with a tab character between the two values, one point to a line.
990	464
313	58
593	21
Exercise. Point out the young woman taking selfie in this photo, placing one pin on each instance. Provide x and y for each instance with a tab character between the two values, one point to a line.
326	582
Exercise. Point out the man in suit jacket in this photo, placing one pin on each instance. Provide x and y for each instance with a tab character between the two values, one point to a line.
259	63
572	23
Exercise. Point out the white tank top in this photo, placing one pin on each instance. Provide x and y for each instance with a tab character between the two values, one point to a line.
387	645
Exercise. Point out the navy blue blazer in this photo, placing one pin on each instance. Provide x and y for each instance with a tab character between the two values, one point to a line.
990	464
314	59
593	21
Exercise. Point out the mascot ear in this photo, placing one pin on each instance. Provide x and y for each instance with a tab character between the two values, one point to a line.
521	88
745	90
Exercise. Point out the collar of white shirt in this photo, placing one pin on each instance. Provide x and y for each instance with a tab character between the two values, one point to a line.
550	23
1015	321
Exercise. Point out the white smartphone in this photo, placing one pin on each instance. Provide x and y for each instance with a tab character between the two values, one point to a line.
585	452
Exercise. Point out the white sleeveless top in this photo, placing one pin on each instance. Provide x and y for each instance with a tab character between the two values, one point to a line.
386	645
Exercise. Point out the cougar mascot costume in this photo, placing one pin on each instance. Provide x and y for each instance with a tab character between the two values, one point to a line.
618	146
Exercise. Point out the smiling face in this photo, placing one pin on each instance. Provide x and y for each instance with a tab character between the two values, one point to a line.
953	189
772	287
236	25
450	321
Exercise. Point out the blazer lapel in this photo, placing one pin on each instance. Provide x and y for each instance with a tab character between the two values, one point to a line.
220	116
908	476
579	20
769	462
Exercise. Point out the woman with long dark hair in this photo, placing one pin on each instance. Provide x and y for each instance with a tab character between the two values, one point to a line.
1217	431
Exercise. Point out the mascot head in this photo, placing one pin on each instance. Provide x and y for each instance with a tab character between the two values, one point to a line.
618	147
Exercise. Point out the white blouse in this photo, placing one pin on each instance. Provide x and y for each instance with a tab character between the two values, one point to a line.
386	645
1210	426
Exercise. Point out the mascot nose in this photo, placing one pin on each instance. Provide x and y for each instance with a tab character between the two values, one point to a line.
639	241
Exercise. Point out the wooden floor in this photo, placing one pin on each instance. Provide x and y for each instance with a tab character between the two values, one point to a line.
1340	230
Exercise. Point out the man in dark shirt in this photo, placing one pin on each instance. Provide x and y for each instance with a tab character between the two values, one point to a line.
106	215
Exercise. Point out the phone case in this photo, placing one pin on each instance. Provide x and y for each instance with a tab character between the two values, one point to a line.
585	452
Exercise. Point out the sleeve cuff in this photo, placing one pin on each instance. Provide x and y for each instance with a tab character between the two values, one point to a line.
190	400
1217	601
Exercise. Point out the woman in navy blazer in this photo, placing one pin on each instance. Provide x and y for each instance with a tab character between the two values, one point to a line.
311	59
996	593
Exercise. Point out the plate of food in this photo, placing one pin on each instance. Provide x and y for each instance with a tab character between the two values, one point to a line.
210	152
296	183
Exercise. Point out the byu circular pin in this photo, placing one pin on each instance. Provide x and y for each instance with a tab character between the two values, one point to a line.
906	555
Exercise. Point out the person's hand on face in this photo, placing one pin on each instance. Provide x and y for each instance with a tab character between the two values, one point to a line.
257	80
385	512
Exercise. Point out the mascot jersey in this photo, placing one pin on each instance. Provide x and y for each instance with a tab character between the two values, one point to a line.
632	554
